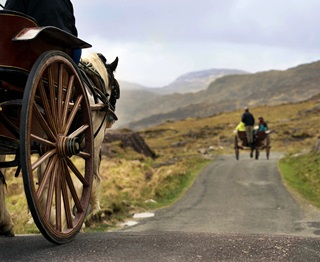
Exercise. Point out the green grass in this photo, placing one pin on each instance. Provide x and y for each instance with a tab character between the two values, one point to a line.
173	187
302	173
164	189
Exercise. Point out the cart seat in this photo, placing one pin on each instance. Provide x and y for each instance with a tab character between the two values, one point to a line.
242	134
23	41
243	137
261	135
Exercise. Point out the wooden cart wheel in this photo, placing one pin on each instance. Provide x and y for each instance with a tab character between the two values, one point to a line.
236	147
56	147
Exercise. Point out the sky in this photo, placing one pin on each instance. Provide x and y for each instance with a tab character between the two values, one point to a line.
159	40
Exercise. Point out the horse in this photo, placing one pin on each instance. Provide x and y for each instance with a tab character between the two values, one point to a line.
101	86
95	65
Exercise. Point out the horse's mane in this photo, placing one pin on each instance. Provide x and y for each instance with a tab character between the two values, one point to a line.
93	61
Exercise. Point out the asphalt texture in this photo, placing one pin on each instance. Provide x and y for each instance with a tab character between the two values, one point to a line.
235	211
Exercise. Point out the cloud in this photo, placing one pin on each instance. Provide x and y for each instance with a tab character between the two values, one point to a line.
157	41
165	40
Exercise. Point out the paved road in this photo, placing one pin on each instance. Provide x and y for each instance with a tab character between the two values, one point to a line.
236	211
246	196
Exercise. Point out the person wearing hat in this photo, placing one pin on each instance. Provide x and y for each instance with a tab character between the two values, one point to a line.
248	120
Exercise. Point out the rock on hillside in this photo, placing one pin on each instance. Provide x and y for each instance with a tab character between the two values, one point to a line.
128	138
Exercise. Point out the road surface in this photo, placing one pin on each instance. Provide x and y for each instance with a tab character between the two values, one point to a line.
246	196
236	211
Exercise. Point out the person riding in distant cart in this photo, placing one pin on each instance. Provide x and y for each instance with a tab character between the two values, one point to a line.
248	120
262	127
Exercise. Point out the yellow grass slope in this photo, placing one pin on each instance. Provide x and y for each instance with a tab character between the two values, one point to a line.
132	182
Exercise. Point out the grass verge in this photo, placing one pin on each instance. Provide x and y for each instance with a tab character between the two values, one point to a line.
302	173
167	185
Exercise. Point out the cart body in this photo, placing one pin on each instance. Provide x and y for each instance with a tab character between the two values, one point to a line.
261	141
45	121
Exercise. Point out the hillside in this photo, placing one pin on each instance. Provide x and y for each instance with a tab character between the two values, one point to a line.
195	81
132	86
131	106
231	93
132	182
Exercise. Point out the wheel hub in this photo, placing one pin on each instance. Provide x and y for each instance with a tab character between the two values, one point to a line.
68	147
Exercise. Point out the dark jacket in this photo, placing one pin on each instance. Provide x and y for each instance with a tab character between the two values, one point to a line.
58	13
247	119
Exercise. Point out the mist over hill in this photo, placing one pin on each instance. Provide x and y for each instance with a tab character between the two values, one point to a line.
125	85
190	82
134	97
224	94
195	81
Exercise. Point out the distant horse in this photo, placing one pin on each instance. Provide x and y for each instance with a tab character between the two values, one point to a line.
102	87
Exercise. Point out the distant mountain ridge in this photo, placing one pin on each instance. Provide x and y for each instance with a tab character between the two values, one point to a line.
223	94
196	81
125	85
189	82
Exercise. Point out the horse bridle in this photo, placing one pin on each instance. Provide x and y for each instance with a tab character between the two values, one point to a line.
115	88
97	93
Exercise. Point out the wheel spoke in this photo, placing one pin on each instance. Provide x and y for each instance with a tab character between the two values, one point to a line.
60	90
42	141
72	114
43	158
49	201
45	177
46	107
52	87
67	100
77	172
58	200
79	131
43	123
84	155
73	192
65	195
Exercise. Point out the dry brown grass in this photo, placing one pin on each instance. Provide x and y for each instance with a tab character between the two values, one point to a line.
129	179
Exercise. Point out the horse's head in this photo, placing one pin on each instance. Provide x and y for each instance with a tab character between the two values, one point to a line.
98	64
102	76
112	82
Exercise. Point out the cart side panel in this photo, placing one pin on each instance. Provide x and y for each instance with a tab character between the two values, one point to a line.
18	57
243	137
260	137
13	54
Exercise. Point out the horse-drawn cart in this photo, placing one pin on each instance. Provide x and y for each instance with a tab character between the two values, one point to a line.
261	141
46	123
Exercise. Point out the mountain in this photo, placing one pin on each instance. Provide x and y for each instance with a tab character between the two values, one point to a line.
134	97
125	85
195	81
226	94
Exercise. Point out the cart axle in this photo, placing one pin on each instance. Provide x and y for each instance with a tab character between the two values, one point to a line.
68	147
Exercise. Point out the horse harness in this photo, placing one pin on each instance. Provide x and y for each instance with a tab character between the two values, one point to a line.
96	86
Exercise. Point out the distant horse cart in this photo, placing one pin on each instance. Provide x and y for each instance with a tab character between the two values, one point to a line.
53	117
261	142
